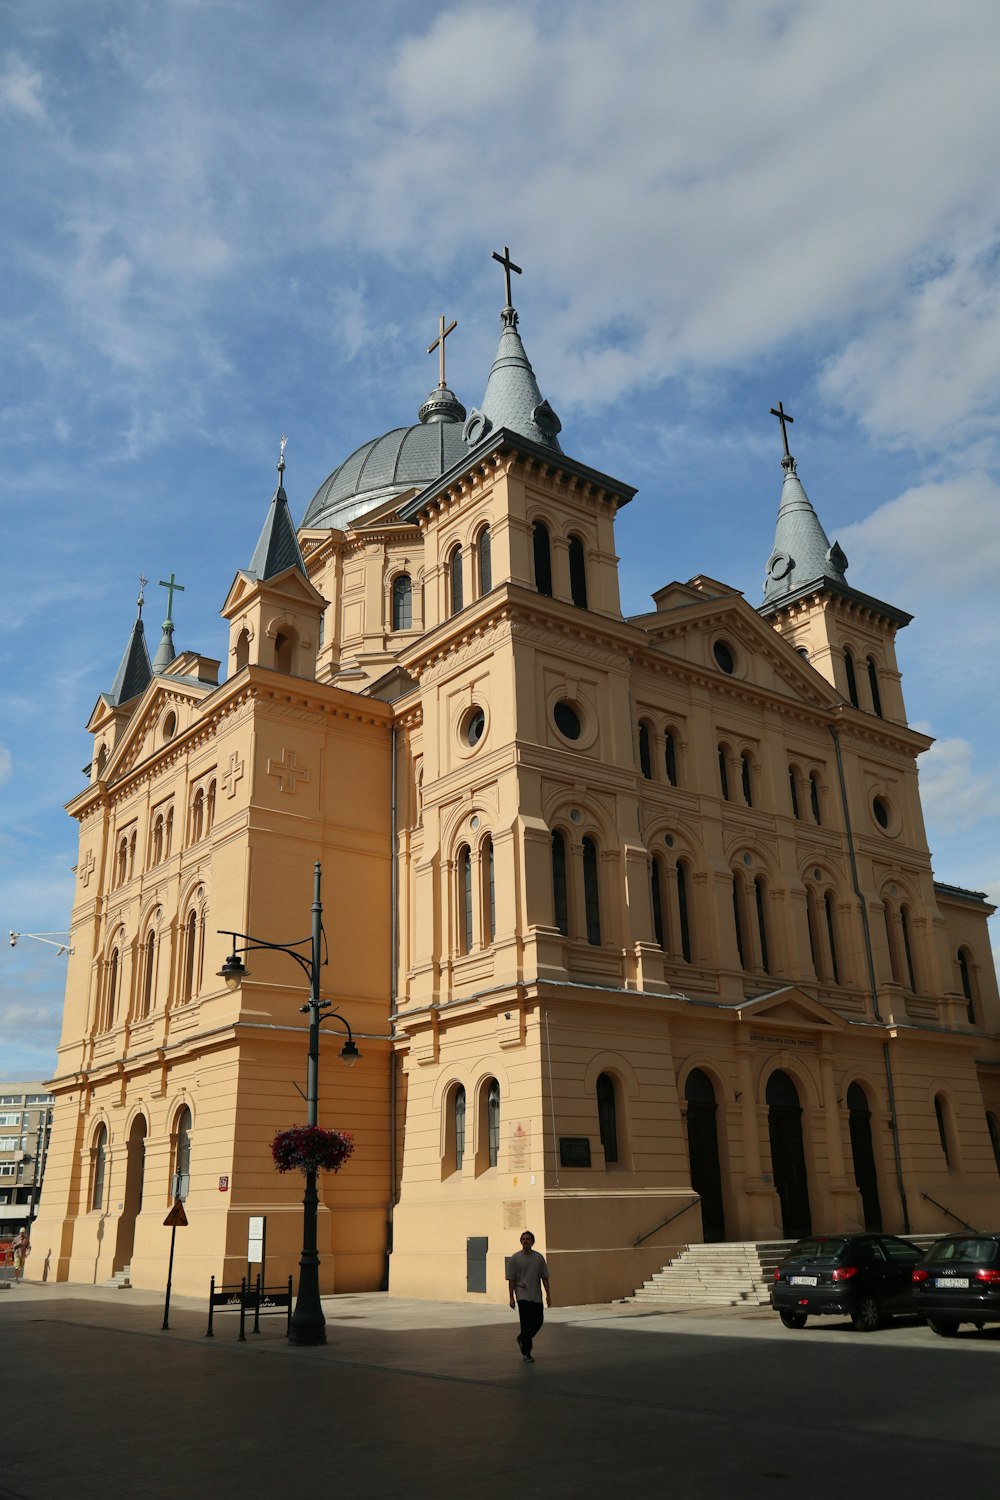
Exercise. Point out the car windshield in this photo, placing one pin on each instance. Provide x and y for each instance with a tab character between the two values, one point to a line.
979	1252
817	1249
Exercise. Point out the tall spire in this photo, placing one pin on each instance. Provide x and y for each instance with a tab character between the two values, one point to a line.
165	652
134	672
802	554
278	546
513	399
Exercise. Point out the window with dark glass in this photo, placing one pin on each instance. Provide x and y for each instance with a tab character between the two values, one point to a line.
645	762
560	901
607	1117
873	684
759	902
489	891
112	1001
455	578
402	602
465	899
656	896
814	796
831	933
577	572
723	773
904	927
567	720
738	922
670	758
966	978
100	1166
493	1121
682	910
182	1159
147	979
458	1116
745	778
484	549
993	1126
591	892
852	681
543	558
190	952
942	1127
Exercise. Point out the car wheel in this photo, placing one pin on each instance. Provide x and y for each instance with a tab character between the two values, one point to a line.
946	1327
792	1319
867	1316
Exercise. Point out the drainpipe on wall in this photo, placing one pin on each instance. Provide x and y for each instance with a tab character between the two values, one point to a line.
393	997
872	978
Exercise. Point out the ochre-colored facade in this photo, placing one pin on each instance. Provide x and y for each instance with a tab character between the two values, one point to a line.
633	919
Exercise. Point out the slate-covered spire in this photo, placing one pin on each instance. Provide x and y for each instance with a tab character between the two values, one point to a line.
513	399
802	554
278	546
134	672
165	652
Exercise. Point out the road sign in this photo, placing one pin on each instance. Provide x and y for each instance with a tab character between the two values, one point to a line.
176	1218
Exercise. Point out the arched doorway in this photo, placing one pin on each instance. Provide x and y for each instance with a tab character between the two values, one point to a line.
134	1171
703	1152
788	1158
865	1174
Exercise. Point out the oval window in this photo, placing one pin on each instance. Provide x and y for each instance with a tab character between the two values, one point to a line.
169	726
724	657
474	726
881	810
567	720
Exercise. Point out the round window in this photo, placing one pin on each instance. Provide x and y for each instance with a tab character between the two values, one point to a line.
724	657
880	808
567	720
169	726
473	726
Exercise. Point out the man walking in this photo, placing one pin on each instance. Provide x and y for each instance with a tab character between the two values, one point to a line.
21	1248
527	1275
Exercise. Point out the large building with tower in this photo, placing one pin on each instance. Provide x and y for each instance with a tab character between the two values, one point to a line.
633	918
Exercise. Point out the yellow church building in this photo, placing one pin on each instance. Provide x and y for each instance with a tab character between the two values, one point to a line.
633	919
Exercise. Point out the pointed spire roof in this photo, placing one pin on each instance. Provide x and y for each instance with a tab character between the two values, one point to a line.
802	554
278	546
513	399
134	672
165	652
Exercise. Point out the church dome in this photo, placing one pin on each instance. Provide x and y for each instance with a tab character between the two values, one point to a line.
404	459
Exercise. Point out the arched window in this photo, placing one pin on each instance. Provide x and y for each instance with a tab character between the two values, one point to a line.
493	1121
873	684
100	1161
852	681
904	928
793	778
168	832
198	816
543	558
560	894
670	757
738	922
993	1126
831	935
723	773
966	978
656	898
112	991
210	808
814	796
607	1117
455	580
122	862
242	650
890	944
190	952
284	648
465	899
149	969
645	760
591	892
131	854
577	573
402	602
745	778
157	839
812	923
940	1114
486	862
683	911
182	1155
759	902
458	1125
484	556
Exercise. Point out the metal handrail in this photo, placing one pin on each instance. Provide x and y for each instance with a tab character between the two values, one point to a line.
963	1222
666	1222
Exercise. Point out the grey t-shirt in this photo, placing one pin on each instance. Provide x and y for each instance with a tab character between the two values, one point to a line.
527	1269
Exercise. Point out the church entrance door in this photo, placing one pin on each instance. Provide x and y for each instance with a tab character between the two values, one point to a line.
134	1172
788	1158
703	1153
865	1174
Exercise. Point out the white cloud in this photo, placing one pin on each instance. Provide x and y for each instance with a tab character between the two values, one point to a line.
939	539
21	89
955	794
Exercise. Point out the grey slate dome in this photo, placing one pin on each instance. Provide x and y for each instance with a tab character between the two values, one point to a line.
406	458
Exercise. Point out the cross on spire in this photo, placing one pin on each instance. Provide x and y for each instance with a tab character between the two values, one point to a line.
508	266
142	597
172	588
439	345
783	417
281	457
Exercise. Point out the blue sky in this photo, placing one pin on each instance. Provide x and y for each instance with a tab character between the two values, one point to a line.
228	219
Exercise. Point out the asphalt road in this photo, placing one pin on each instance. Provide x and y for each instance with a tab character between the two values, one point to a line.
413	1399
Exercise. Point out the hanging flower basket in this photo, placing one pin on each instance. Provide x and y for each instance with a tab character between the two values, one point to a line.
306	1147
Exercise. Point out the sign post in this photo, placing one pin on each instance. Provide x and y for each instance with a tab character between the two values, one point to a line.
176	1219
257	1247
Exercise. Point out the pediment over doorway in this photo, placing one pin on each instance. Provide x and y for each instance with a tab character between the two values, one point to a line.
789	1006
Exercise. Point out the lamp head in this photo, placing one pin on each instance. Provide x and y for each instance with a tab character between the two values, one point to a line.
349	1053
233	971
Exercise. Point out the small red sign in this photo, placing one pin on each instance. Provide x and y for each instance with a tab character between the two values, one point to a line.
223	1184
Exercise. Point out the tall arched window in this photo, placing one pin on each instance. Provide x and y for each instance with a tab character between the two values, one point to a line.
831	935
993	1126
121	867
591	892
112	991
852	680
723	773
683	911
607	1117
940	1115
484	556
100	1161
814	797
458	1126
645	759
149	970
131	854
873	684
455	579
493	1121
577	572
759	902
157	839
812	924
182	1155
168	832
197	816
793	778
966	978
745	778
190	952
210	807
904	928
242	650
465	899
560	894
656	898
670	757
890	944
486	862
402	602
542	550
738	922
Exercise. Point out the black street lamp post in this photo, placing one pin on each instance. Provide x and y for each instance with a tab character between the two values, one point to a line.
308	1325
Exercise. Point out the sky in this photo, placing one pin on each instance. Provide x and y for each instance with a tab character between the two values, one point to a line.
225	220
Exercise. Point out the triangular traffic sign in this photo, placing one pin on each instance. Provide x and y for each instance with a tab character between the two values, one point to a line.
176	1218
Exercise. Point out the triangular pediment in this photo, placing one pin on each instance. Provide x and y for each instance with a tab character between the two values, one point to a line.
145	735
289	585
788	1006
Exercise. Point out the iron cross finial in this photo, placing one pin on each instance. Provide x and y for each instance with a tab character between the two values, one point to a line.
142	597
783	417
172	588
281	454
439	344
508	266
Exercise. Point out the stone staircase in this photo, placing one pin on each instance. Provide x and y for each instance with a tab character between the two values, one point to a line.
121	1280
724	1275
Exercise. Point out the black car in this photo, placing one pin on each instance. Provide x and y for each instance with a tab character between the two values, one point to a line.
865	1277
958	1281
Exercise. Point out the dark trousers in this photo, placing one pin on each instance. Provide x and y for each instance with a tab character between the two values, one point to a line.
532	1316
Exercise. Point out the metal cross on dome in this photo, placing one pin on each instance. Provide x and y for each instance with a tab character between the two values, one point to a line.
439	344
508	266
783	417
172	588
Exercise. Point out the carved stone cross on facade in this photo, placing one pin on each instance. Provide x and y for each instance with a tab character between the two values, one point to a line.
439	344
233	775
87	867
783	417
288	769
508	266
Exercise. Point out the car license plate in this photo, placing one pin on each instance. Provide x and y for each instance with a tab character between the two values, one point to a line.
803	1280
951	1281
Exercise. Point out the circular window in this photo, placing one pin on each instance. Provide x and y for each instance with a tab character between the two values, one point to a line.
880	809
779	565
169	726
724	657
567	720
669	841
575	815
474	726
747	860
474	824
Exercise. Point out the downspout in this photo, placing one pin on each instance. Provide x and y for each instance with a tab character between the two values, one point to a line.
872	978
393	997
